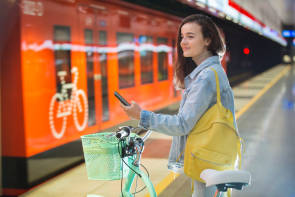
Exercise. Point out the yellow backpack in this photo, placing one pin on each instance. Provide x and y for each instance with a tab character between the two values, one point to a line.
214	142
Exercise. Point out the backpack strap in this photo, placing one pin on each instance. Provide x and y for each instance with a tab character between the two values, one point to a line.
218	97
240	142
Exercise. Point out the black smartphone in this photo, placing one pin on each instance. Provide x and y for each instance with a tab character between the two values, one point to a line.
121	99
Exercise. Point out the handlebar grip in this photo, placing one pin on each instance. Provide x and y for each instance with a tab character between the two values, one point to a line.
123	132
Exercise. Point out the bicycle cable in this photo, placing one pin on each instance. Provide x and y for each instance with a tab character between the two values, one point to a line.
135	186
122	181
120	143
123	166
128	165
122	169
148	177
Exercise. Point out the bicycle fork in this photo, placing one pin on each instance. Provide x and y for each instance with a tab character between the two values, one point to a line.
130	178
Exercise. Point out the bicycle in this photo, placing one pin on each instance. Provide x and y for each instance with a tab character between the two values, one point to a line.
77	103
113	156
111	150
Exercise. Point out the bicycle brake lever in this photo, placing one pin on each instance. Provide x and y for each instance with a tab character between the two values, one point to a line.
139	130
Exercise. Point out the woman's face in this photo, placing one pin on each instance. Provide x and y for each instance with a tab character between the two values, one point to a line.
193	43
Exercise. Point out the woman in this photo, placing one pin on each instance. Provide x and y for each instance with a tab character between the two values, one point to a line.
199	49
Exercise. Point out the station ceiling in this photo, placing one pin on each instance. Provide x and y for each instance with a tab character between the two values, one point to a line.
285	9
288	15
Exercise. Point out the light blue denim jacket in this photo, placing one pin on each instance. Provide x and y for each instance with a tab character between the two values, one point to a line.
198	96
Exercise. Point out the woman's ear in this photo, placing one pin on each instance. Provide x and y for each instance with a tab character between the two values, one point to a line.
207	41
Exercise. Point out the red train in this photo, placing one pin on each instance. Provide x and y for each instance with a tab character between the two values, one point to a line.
63	61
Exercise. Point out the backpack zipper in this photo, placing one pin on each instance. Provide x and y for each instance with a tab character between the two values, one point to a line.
211	162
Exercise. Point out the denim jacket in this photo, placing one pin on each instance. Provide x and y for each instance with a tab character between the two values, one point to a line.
198	96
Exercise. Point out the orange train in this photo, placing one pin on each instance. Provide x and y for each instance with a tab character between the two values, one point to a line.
63	61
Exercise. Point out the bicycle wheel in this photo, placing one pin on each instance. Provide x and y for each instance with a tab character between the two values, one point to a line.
57	116
80	110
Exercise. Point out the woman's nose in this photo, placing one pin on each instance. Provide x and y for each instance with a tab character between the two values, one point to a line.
183	41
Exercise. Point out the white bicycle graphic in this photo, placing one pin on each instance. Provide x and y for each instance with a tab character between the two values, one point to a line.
62	106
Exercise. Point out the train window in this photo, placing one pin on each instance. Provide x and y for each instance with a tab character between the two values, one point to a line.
62	56
126	60
146	60
62	33
162	59
88	35
102	41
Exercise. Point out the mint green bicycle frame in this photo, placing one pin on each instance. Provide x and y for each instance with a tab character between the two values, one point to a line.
130	179
131	175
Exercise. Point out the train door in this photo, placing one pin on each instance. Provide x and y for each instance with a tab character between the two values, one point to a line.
92	26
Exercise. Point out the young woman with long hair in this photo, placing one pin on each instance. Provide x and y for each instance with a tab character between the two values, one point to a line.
199	48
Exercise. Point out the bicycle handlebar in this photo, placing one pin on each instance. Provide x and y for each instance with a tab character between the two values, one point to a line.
125	131
132	145
148	133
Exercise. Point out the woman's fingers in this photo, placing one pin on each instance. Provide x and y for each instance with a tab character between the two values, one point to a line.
133	111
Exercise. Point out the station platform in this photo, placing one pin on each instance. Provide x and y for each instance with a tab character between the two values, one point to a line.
265	111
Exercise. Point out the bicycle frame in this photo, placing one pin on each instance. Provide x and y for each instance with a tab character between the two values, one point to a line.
134	171
130	179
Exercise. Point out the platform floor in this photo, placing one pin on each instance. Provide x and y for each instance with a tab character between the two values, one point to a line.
265	112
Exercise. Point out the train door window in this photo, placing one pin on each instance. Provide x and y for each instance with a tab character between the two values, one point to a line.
162	59
102	41
126	60
62	56
88	35
146	59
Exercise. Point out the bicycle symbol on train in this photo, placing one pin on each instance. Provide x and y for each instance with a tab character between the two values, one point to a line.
62	106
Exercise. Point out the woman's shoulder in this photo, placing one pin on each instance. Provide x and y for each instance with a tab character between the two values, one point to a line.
209	74
214	67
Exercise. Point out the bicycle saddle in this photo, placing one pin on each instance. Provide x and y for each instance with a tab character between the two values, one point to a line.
236	179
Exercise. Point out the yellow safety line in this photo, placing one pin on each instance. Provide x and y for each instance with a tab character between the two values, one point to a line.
262	92
160	187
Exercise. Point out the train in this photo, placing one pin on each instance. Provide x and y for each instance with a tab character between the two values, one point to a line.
64	61
61	63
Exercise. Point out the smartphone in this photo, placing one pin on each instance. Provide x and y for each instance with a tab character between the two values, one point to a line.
121	99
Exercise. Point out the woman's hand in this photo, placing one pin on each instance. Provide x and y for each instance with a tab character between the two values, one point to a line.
133	111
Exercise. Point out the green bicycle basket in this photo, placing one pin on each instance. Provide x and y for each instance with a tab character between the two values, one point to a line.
102	158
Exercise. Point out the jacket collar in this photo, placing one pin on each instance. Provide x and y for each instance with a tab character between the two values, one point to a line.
207	62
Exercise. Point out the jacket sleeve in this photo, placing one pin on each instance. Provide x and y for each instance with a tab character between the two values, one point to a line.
198	98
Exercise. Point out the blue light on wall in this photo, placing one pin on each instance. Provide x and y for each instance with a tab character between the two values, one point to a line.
288	33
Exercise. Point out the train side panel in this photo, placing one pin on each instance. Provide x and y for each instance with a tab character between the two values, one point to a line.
67	59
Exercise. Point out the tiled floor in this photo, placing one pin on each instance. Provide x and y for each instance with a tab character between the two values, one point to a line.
74	182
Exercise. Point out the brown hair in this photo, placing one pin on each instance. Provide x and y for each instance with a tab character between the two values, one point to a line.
185	65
